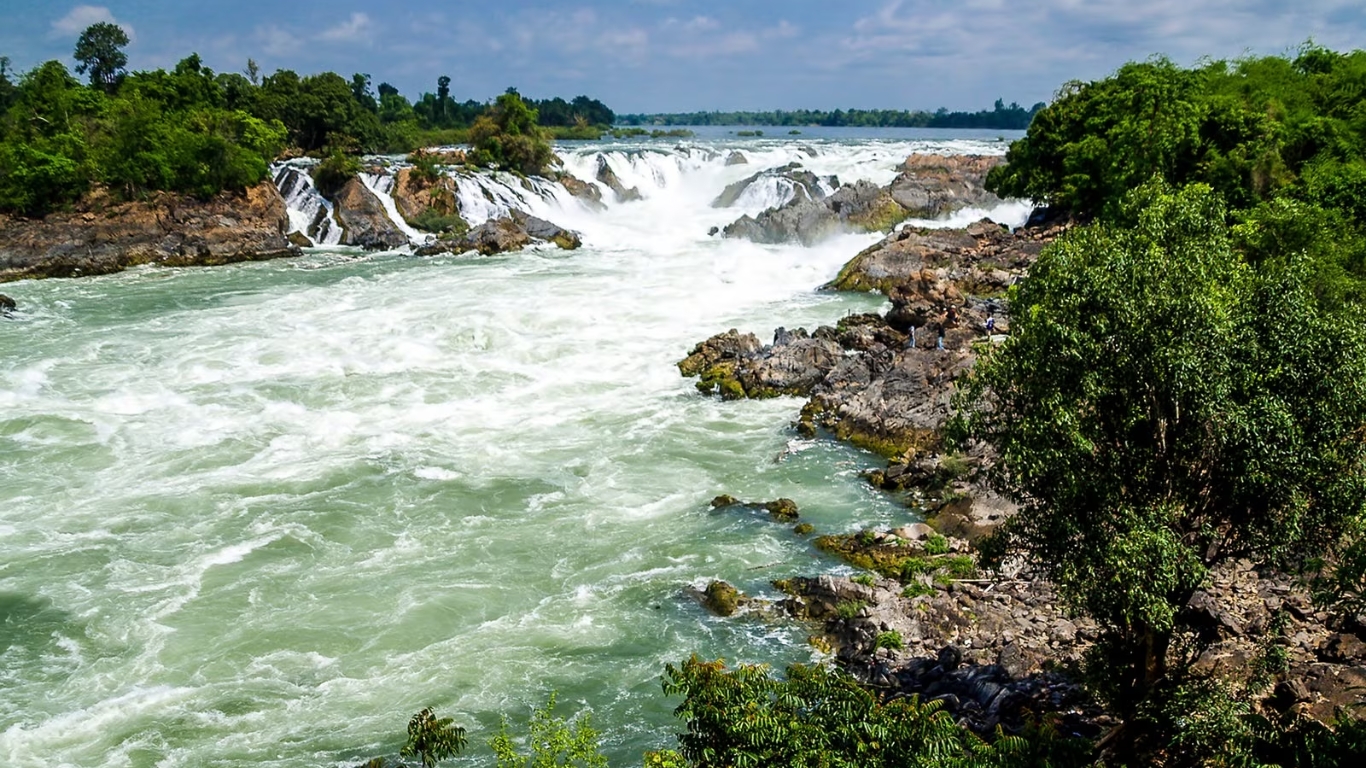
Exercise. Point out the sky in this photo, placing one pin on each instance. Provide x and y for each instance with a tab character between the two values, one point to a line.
686	55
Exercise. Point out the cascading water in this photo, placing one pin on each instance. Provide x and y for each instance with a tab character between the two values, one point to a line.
310	214
382	185
259	515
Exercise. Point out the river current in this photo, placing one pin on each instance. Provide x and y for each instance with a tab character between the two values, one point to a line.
258	515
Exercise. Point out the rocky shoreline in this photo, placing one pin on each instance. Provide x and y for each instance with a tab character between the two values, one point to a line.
996	647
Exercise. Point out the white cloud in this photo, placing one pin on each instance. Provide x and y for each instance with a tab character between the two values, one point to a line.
77	19
355	29
276	41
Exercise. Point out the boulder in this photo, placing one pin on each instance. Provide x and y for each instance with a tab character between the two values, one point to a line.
934	185
364	220
865	207
7	305
101	235
793	365
608	178
420	200
505	234
802	220
804	184
589	194
722	599
737	158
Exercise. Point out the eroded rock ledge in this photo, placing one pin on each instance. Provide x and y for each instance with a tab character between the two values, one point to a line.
103	236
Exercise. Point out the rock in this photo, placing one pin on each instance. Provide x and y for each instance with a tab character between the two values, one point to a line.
715	361
915	532
7	305
930	186
364	220
503	235
737	158
792	365
805	184
590	194
299	240
608	178
782	510
722	599
540	229
724	501
1343	648
978	257
858	207
101	236
420	201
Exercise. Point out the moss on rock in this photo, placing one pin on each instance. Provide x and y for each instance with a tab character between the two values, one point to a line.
722	599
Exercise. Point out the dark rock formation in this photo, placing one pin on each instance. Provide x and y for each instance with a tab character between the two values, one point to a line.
737	158
509	233
781	510
608	178
364	220
103	236
805	184
7	305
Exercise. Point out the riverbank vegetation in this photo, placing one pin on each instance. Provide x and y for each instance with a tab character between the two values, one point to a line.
195	131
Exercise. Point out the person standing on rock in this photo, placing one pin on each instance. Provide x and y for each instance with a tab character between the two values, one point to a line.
991	324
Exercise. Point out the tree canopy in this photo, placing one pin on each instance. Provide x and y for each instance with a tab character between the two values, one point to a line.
100	53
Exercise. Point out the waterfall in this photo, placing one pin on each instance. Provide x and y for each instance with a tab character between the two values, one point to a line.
382	185
310	214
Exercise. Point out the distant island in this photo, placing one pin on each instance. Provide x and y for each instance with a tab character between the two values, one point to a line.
1010	118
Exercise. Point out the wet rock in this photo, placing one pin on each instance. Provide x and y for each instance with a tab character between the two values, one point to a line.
7	305
503	235
590	194
737	158
608	178
364	220
805	184
782	510
801	220
715	361
722	599
101	235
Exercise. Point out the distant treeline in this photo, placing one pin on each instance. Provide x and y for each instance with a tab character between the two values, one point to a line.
1002	117
197	131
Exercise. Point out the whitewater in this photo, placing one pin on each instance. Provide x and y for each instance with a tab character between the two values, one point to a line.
258	515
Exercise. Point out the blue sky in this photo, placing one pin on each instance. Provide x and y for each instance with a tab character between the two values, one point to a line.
683	55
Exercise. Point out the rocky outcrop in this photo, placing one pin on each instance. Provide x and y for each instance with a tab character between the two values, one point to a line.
589	194
364	221
7	305
737	157
103	236
981	259
509	233
608	178
933	185
804	184
734	366
421	201
928	186
781	510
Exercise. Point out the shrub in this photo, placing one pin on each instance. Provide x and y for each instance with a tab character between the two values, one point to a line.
334	171
890	639
936	545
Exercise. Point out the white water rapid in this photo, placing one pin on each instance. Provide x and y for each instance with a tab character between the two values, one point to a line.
259	515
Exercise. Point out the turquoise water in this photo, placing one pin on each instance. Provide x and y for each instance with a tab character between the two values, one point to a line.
258	515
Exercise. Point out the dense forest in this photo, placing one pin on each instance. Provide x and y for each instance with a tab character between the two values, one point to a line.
197	131
1002	117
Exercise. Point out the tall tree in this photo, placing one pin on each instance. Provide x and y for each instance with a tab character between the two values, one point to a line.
99	52
1162	407
443	92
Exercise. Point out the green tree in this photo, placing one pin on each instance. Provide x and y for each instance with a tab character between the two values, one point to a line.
432	739
100	53
1163	406
552	742
817	716
510	136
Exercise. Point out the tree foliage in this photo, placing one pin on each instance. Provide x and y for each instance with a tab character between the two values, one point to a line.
432	739
1163	405
99	52
818	716
551	742
510	137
